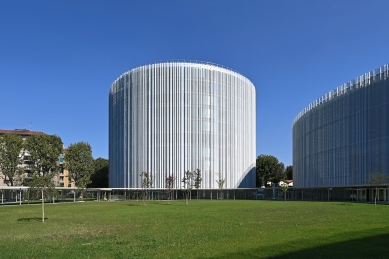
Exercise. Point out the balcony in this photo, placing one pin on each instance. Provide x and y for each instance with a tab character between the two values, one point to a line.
27	167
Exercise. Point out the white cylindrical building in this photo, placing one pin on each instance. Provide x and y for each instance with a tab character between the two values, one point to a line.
168	118
340	139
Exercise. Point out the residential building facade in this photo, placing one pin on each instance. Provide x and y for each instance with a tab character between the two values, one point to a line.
60	180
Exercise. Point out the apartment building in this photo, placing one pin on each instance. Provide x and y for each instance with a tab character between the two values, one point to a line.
25	161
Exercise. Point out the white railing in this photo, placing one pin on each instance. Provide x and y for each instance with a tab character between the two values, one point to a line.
177	61
359	82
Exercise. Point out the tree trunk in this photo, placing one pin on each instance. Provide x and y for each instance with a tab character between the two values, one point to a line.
43	208
375	198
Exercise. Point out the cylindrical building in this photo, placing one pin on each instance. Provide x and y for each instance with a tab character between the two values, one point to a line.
342	137
168	118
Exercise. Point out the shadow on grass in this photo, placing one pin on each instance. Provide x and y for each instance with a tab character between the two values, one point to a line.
31	219
162	203
366	247
137	204
148	203
134	205
179	203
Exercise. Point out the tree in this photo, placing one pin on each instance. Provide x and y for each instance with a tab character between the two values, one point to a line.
279	174
197	180
147	183
44	151
99	178
377	179
169	185
284	187
289	172
220	182
10	147
269	169
187	180
79	163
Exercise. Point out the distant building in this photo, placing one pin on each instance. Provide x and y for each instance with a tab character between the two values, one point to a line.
62	179
280	183
287	182
59	180
168	118
342	137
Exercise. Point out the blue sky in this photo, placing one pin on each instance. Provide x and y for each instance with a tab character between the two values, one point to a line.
59	58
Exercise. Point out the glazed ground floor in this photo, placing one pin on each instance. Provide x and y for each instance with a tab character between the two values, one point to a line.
12	195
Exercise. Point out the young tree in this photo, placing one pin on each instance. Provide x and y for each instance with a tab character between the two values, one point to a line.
220	182
169	185
284	187
147	183
10	147
99	178
79	163
187	180
44	151
377	179
197	180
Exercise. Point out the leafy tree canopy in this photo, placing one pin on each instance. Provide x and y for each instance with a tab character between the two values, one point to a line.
188	183
220	182
377	179
44	151
147	181
289	172
99	178
269	169
169	182
197	178
79	163
10	147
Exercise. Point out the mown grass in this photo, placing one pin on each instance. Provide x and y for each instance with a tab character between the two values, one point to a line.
204	229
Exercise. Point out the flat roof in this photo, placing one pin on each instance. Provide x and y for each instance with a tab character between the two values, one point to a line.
21	132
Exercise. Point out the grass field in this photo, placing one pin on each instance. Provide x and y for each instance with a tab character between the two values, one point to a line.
204	229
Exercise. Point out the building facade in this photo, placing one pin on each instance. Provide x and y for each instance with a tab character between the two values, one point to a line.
60	180
24	156
342	137
168	118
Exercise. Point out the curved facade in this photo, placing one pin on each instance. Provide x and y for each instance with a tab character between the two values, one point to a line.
343	136
168	118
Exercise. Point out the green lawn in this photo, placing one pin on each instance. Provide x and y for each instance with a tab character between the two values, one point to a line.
204	229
